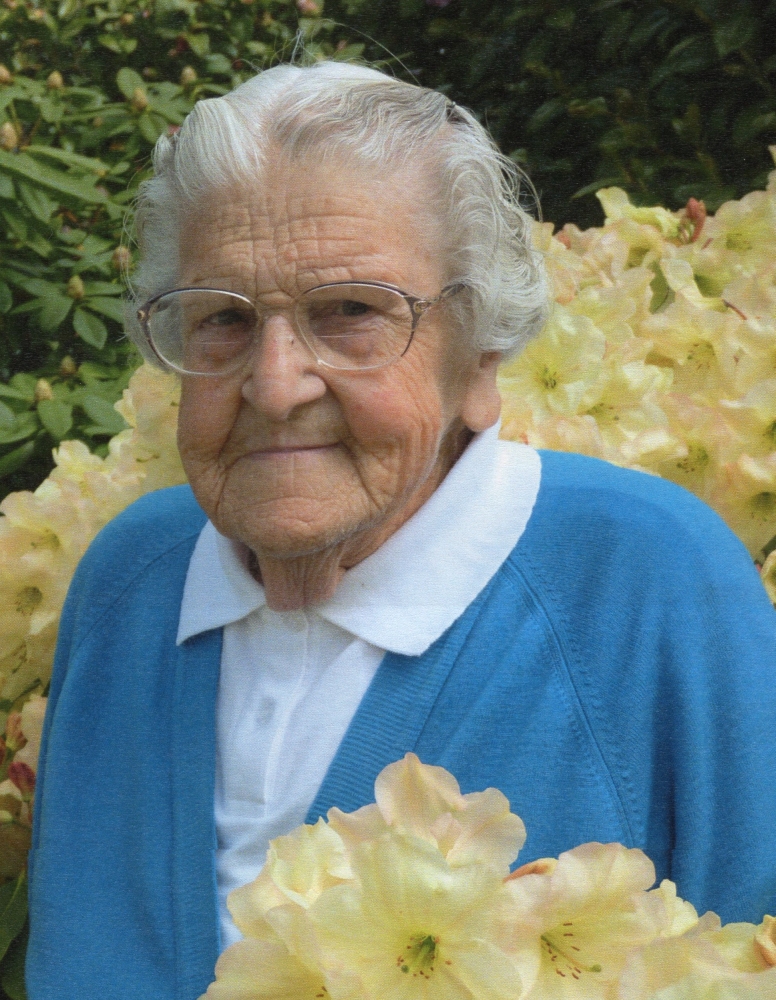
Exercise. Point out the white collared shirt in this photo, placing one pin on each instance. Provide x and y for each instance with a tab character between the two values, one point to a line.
291	681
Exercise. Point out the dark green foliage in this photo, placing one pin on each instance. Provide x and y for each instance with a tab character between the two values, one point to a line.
666	98
86	88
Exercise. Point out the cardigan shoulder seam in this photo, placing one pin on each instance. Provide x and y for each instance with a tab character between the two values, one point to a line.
563	643
78	640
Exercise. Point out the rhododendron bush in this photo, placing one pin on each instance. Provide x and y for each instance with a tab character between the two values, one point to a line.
659	354
411	899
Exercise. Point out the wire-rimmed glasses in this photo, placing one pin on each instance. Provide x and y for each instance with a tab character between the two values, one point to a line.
347	325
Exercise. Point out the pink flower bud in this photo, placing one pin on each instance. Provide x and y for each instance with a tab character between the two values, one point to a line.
14	737
23	776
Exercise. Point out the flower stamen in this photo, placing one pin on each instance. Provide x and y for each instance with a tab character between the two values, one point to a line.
419	955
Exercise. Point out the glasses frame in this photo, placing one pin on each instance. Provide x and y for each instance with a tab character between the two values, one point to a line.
418	306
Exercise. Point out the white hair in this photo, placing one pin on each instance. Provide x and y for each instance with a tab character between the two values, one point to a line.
334	108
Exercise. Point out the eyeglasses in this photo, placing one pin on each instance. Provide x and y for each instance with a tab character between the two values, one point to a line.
347	325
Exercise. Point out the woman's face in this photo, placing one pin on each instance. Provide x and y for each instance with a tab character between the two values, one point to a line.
291	457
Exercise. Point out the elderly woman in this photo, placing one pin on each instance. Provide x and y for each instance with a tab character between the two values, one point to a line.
335	262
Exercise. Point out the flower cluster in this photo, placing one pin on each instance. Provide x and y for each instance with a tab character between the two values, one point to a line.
412	898
44	534
660	353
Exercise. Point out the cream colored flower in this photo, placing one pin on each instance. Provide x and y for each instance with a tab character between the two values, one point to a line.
617	205
425	801
589	911
745	496
559	372
265	970
768	576
298	868
32	715
708	962
412	926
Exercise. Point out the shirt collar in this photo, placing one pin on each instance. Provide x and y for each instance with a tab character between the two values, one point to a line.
407	593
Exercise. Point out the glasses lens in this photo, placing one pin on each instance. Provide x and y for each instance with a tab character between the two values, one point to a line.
202	332
355	326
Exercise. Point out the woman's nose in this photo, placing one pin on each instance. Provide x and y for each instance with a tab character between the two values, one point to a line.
283	373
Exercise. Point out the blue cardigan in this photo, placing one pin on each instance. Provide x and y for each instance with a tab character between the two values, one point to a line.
616	679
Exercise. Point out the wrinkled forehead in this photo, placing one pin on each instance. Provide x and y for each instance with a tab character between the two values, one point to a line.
304	222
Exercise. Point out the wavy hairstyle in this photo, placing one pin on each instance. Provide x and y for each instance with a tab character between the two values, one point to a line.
331	109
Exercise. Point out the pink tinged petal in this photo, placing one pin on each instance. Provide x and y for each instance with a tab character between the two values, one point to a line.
411	795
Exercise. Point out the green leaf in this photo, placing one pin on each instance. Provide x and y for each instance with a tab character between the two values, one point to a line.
16	459
596	186
70	159
12	968
56	417
218	65
7	190
199	43
6	297
53	312
151	126
26	425
112	308
128	81
102	288
37	201
14	221
13	909
7	417
90	328
735	34
25	384
102	413
28	169
111	42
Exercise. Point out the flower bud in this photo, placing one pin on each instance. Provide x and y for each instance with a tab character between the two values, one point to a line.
126	19
43	390
67	367
36	15
6	76
75	287
23	776
139	99
14	737
188	76
308	7
121	258
54	80
9	137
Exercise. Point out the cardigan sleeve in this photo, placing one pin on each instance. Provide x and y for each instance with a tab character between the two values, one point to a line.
670	641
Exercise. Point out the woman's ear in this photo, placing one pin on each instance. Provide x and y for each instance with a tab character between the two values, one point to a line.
481	404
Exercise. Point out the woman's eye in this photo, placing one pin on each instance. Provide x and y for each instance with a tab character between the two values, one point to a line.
349	307
227	317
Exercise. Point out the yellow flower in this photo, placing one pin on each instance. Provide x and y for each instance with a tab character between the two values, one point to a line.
617	205
425	801
412	926
700	344
299	867
559	372
589	910
707	962
264	970
745	496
